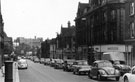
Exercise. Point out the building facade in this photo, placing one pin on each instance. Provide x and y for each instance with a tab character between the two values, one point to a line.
130	31
45	49
33	42
1	38
53	49
65	42
103	24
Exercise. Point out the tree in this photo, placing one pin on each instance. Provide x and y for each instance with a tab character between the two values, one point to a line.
8	48
91	57
22	47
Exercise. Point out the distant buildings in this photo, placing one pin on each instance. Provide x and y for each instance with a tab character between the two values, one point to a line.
36	42
63	46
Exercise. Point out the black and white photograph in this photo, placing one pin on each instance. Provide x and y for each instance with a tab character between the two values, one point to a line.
67	40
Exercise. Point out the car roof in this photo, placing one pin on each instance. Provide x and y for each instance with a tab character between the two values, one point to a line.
69	60
98	61
133	67
22	60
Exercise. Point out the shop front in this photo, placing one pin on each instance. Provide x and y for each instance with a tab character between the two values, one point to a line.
127	50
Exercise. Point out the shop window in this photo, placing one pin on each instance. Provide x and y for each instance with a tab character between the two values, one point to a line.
132	8
132	30
104	2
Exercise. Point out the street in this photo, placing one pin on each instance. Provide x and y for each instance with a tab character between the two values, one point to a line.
37	72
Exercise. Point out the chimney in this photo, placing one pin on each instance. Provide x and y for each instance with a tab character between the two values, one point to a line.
69	24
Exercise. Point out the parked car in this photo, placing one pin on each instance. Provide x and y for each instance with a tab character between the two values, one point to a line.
103	69
36	60
67	65
52	62
58	64
121	66
47	61
22	63
81	66
129	77
42	60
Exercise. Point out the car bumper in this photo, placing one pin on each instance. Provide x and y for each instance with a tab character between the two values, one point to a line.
110	76
21	67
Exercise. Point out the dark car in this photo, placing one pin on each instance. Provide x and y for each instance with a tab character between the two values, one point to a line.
121	66
67	65
103	69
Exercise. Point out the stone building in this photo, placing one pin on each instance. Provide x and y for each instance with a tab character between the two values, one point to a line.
104	27
65	42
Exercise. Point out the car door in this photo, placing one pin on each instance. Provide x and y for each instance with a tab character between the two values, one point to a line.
132	76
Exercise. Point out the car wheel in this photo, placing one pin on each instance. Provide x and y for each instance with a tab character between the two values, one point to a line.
63	69
78	73
126	79
89	75
117	78
99	77
73	72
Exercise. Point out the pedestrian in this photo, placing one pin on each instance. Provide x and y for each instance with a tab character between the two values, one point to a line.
3	70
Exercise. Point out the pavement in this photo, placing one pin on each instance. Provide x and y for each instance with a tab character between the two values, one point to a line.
15	74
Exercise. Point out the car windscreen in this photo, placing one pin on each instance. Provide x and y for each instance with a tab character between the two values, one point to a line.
105	64
22	62
69	62
83	63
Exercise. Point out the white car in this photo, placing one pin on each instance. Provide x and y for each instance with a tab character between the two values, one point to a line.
129	77
22	63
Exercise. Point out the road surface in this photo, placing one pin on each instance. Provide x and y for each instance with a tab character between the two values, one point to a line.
37	72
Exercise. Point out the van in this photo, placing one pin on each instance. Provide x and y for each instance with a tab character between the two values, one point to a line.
118	60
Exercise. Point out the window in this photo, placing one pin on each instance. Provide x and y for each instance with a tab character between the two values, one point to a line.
113	14
104	2
132	8
105	16
132	30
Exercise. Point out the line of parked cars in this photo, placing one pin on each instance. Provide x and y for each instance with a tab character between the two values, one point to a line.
100	69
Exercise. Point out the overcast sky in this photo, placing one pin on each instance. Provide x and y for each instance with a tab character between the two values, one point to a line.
41	18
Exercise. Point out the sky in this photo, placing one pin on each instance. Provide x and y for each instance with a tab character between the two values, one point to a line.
40	18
